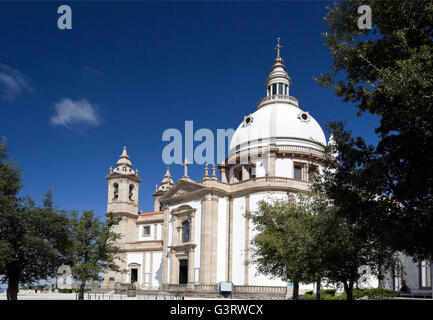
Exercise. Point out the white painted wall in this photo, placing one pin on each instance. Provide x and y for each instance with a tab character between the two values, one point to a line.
157	269
238	265
253	277
260	168
147	267
221	240
283	168
158	231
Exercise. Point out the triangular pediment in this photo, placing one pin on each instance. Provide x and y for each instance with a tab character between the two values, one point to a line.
182	187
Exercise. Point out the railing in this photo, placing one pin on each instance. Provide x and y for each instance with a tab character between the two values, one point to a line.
277	97
301	149
206	287
99	296
269	179
260	289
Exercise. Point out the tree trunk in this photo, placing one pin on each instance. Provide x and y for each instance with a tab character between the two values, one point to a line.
318	290
349	290
295	290
81	292
13	284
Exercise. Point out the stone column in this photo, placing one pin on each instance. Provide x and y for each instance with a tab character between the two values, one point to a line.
205	240
164	236
247	240
272	160
191	267
230	237
214	240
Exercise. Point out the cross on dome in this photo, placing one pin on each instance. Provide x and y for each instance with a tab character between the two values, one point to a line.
278	47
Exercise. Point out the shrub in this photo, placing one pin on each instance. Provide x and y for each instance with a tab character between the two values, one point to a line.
357	293
330	292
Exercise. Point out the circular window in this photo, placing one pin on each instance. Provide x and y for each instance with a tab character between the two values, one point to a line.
248	120
304	116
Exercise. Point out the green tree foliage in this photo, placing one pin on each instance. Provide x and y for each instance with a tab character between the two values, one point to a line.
32	238
280	248
305	239
387	71
93	248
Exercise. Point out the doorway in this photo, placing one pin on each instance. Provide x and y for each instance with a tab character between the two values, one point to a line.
134	275
183	271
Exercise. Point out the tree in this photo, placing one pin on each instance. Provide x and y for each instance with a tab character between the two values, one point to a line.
279	248
306	239
93	247
32	238
387	71
344	181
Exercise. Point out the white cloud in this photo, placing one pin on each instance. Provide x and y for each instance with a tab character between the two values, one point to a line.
12	83
69	112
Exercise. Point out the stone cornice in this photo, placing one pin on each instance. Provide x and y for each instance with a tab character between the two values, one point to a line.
115	175
150	220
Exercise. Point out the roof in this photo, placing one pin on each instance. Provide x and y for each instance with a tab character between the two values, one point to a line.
154	212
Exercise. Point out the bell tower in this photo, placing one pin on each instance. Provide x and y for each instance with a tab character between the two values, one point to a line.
123	184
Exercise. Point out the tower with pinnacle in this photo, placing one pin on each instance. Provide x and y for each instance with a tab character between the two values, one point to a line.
123	185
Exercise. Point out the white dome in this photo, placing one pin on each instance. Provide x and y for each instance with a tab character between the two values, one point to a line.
280	123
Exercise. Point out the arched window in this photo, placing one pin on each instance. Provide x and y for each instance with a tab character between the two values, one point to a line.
185	231
131	188
116	191
298	173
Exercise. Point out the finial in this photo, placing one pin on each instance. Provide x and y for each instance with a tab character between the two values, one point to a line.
124	153
156	187
278	47
206	171
214	176
111	169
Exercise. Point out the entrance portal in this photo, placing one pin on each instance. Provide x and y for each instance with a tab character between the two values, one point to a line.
134	275
183	271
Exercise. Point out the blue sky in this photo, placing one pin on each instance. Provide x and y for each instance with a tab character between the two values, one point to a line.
130	70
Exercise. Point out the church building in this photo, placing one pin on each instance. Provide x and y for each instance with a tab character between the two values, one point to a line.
197	234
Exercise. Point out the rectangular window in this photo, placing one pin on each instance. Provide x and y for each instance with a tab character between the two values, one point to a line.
111	279
252	172
146	231
185	231
280	88
297	172
274	88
